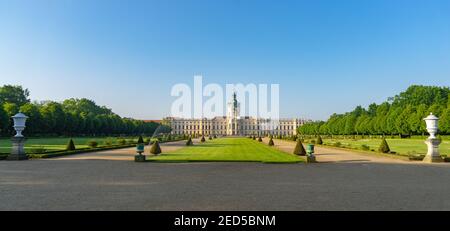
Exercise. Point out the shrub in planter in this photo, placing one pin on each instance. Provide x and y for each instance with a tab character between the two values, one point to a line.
140	140
319	140
189	142
365	147
271	142
108	142
121	142
203	139
38	150
92	144
70	146
384	147
299	149
155	148
259	139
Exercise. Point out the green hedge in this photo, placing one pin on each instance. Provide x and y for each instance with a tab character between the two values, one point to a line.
77	151
83	150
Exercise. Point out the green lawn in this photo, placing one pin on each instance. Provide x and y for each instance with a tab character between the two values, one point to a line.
229	149
401	146
53	144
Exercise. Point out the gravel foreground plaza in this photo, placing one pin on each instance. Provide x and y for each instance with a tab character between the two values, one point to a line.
77	184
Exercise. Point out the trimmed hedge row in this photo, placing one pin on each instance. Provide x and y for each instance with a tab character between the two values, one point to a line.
84	150
77	151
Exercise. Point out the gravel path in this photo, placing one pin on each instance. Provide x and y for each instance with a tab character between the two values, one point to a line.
125	153
332	155
345	182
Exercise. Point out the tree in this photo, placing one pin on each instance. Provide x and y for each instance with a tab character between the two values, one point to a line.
155	148
401	123
10	108
384	147
34	121
299	149
14	94
444	122
70	146
4	121
415	120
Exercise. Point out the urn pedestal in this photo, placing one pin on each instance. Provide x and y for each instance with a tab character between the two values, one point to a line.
17	150
433	155
139	158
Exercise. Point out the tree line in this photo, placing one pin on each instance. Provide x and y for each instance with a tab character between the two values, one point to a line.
72	117
400	115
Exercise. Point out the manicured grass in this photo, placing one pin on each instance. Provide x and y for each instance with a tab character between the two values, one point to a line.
229	149
53	144
400	146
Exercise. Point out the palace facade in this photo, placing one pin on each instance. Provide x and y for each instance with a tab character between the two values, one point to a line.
233	125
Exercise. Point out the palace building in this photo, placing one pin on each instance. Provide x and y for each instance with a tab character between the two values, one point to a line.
233	124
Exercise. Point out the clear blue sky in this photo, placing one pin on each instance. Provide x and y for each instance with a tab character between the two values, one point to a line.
328	56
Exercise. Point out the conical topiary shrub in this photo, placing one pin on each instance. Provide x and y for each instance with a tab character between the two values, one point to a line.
259	139
215	136
70	146
299	149
155	149
203	139
271	142
210	138
140	140
384	147
319	140
189	142
254	137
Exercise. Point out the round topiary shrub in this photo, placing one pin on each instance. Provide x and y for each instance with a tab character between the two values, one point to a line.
384	147
271	142
92	144
155	149
299	149
121	141
70	146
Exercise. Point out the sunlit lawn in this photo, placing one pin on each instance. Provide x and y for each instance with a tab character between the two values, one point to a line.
53	144
229	149
401	146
